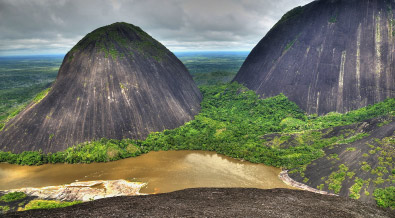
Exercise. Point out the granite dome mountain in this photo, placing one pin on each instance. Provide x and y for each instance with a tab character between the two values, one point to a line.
330	55
117	82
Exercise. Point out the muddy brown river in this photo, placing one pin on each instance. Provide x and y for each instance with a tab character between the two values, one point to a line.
163	171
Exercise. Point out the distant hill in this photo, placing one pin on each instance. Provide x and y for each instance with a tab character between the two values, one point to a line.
330	55
117	82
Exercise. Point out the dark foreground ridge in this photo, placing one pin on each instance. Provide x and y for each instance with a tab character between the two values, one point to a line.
117	82
214	202
330	55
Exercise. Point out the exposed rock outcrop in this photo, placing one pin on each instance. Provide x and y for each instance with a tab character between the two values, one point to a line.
84	191
330	55
289	181
117	82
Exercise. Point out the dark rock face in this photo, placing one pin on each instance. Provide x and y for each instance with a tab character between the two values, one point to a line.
117	82
330	55
215	202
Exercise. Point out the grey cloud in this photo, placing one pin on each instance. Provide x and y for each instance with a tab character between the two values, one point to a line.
48	26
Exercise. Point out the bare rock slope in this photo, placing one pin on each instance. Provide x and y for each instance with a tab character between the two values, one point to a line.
117	82
330	55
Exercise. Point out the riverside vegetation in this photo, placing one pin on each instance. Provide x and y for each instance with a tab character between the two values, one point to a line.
233	121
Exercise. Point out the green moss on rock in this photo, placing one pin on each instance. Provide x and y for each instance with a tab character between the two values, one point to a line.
119	40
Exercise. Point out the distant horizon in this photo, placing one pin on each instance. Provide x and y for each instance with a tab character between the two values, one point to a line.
175	52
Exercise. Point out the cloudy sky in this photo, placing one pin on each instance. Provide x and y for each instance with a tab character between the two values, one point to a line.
54	26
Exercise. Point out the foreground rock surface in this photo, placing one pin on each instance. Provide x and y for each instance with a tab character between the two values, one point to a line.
85	191
211	202
330	55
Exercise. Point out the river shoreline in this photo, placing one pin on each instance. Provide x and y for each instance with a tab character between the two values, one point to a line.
289	181
93	190
159	169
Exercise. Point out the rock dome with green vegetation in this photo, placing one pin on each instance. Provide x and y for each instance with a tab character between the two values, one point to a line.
329	55
117	82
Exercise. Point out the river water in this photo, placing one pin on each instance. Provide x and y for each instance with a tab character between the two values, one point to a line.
163	171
